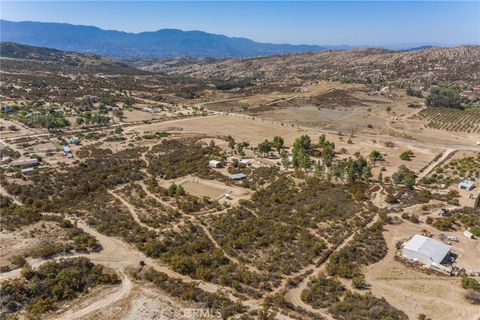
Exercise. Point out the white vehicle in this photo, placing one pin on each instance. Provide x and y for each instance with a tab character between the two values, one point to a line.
452	238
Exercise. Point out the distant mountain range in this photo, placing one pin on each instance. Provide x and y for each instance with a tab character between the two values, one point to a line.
164	43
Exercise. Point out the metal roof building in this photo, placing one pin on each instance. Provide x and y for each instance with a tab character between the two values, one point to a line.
425	250
238	176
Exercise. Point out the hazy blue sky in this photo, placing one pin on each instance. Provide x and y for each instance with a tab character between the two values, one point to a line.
338	22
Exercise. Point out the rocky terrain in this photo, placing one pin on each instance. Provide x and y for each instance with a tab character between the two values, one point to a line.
431	65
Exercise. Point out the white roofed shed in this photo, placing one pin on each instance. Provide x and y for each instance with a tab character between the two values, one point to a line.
425	250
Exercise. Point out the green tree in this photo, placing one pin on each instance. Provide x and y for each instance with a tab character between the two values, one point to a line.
407	155
375	156
278	143
265	147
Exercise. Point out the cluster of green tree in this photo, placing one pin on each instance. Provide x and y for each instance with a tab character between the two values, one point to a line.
156	135
43	118
93	118
367	247
177	158
322	292
266	147
39	291
14	216
405	176
414	92
191	292
448	97
407	155
353	170
233	84
355	306
236	147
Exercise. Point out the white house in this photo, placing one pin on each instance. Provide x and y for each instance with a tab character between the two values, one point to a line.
425	250
466	184
214	164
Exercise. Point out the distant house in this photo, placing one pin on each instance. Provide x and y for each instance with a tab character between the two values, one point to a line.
27	170
24	162
244	162
425	250
238	176
214	164
444	212
68	151
467	185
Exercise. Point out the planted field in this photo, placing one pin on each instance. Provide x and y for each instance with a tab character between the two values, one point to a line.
450	119
457	169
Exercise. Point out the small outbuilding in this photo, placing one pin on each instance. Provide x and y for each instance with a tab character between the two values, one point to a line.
215	164
468	234
467	185
24	162
425	250
238	176
244	162
68	151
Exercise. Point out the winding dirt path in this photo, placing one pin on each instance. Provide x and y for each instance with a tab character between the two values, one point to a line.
122	292
294	295
204	228
446	154
132	210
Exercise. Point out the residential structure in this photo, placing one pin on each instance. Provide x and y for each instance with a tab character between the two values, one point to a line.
467	185
215	164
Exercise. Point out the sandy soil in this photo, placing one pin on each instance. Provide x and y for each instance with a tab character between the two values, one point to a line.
210	188
240	127
26	239
143	302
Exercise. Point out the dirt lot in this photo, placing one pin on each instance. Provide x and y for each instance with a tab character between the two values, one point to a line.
241	128
415	292
143	302
208	188
30	237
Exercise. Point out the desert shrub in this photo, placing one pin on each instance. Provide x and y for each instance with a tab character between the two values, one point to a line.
470	283
14	216
39	291
322	292
473	297
448	97
191	292
365	307
367	247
